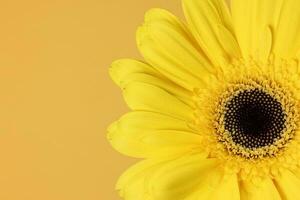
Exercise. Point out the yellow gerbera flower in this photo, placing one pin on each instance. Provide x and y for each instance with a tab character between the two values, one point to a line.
215	105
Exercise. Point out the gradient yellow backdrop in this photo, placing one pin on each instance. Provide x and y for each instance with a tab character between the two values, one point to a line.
56	98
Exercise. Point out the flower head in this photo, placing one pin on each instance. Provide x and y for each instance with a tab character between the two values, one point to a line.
215	106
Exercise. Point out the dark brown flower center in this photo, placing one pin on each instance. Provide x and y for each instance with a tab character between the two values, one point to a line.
254	119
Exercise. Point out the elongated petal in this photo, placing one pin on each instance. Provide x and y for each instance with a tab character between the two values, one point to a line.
136	184
228	189
250	19
142	96
220	187
288	185
265	190
132	183
205	18
228	42
126	71
177	179
265	44
146	134
167	45
287	41
122	69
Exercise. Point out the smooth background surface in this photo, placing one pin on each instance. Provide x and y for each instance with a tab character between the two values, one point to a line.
56	98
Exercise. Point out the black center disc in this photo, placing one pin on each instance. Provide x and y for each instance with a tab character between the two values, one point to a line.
254	119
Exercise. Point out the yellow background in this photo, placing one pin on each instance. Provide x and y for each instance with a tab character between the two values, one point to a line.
56	98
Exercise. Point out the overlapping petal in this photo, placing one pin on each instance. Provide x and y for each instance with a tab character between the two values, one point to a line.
167	178
146	89
264	190
132	183
149	134
210	22
251	18
179	178
288	185
169	47
214	185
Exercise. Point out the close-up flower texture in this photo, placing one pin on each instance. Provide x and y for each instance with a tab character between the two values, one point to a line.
215	104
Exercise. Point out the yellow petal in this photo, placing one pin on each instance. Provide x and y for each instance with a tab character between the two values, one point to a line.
250	19
228	189
207	187
287	41
135	183
126	71
266	190
288	185
228	42
142	96
146	134
265	45
179	178
122	69
134	170
203	17
167	45
217	186
201	193
132	183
